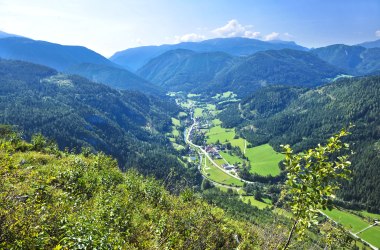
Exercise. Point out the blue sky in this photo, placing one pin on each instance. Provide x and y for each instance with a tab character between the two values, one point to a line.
107	26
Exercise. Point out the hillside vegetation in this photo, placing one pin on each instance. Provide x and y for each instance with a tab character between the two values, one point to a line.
51	199
114	77
214	72
184	69
77	113
356	60
305	117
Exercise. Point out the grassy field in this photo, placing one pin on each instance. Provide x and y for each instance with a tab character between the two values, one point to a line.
256	203
240	142
218	175
211	107
175	122
175	131
349	221
177	146
216	122
228	94
372	216
218	133
372	235
187	104
198	112
182	114
232	159
192	95
264	160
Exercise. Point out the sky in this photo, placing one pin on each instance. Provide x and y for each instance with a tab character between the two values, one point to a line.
107	26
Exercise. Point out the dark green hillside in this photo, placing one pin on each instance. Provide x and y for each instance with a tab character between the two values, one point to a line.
211	73
343	56
76	112
51	199
114	77
287	67
356	60
303	118
370	63
185	69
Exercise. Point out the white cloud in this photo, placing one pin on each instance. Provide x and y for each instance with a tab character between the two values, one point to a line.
377	33
272	36
252	34
234	29
288	36
192	37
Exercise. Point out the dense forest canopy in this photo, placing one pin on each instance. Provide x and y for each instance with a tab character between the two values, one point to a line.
77	113
305	117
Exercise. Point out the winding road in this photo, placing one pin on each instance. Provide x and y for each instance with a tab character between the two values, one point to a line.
188	141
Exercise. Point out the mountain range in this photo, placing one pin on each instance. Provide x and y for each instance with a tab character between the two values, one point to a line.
355	60
73	59
217	72
370	44
78	113
212	66
135	58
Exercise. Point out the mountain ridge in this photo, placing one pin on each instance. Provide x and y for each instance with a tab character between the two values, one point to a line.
135	58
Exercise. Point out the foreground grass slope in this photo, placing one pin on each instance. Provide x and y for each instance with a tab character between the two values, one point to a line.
53	199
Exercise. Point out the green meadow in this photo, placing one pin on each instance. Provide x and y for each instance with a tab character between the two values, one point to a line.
350	221
175	122
198	112
372	235
251	200
218	175
264	160
218	133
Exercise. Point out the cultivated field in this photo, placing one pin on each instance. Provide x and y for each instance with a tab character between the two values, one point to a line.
218	175
264	160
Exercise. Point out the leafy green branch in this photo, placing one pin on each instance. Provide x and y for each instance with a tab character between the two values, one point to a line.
312	179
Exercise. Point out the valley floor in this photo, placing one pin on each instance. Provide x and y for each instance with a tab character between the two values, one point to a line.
220	154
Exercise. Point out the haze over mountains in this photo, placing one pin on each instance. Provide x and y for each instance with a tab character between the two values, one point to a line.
135	58
238	64
73	59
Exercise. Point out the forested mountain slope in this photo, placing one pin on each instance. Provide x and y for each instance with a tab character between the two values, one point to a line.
286	67
76	112
303	118
115	77
51	199
184	69
135	58
211	73
356	60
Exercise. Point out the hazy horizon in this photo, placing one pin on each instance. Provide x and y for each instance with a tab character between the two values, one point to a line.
108	27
